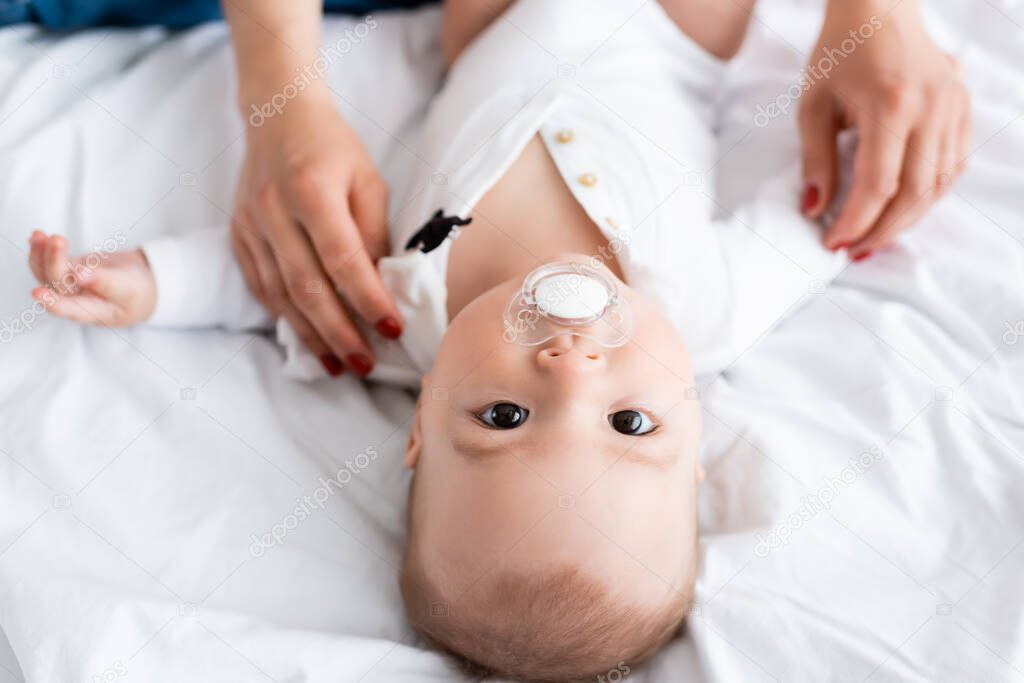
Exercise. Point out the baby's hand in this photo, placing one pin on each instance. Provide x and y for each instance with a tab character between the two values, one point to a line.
110	289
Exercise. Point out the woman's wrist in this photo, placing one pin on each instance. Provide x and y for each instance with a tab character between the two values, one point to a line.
265	98
844	10
901	25
273	44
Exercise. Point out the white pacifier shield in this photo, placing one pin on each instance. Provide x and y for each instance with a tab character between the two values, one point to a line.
571	296
568	298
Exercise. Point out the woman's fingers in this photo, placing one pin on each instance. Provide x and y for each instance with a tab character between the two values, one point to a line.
339	249
948	144
917	189
964	125
369	202
265	281
259	265
309	337
877	167
956	103
246	260
819	128
275	296
311	292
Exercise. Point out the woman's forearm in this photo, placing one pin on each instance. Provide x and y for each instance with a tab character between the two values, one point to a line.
271	40
889	7
854	12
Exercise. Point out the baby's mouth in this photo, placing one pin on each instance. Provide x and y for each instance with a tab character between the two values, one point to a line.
569	298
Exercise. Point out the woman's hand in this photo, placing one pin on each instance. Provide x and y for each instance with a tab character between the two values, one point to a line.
911	111
311	211
309	220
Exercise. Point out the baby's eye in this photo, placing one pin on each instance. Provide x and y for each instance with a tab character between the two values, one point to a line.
632	422
504	416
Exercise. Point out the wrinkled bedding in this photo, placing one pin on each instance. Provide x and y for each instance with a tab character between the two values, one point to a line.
863	514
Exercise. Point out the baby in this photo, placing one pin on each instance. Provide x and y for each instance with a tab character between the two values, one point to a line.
552	512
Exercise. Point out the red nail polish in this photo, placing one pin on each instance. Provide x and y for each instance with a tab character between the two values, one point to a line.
332	364
840	245
360	363
810	198
389	327
861	257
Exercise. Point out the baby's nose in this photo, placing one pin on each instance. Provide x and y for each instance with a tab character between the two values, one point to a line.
564	355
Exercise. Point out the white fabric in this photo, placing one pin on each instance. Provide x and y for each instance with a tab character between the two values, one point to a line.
199	284
135	465
188	268
639	140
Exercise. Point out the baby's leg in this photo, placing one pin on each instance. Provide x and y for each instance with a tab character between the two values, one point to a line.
718	27
463	20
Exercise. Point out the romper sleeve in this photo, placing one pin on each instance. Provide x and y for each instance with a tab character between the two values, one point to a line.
199	283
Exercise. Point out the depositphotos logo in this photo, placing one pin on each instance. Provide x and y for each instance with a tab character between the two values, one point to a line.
817	502
308	504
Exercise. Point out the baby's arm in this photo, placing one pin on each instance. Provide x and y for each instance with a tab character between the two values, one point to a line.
761	263
200	284
185	281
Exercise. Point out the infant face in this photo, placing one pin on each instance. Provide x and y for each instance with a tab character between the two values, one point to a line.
562	474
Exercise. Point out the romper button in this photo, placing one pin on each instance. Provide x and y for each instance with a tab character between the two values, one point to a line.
564	136
588	180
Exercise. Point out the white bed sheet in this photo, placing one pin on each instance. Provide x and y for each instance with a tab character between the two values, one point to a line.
135	465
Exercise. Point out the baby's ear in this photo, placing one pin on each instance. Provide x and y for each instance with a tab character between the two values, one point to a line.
414	444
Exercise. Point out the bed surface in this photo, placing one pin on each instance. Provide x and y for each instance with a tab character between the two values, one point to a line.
137	466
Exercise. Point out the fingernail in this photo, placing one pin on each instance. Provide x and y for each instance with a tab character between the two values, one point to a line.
389	327
332	364
839	245
360	363
810	198
861	257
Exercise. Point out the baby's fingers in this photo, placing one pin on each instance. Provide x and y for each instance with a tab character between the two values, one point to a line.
37	250
55	259
108	284
80	308
57	266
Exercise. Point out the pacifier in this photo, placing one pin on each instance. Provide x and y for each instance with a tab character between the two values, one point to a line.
568	298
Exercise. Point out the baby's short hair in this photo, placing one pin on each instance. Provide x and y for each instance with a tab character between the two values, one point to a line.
556	625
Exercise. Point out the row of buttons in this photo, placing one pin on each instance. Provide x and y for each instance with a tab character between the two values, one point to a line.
564	137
